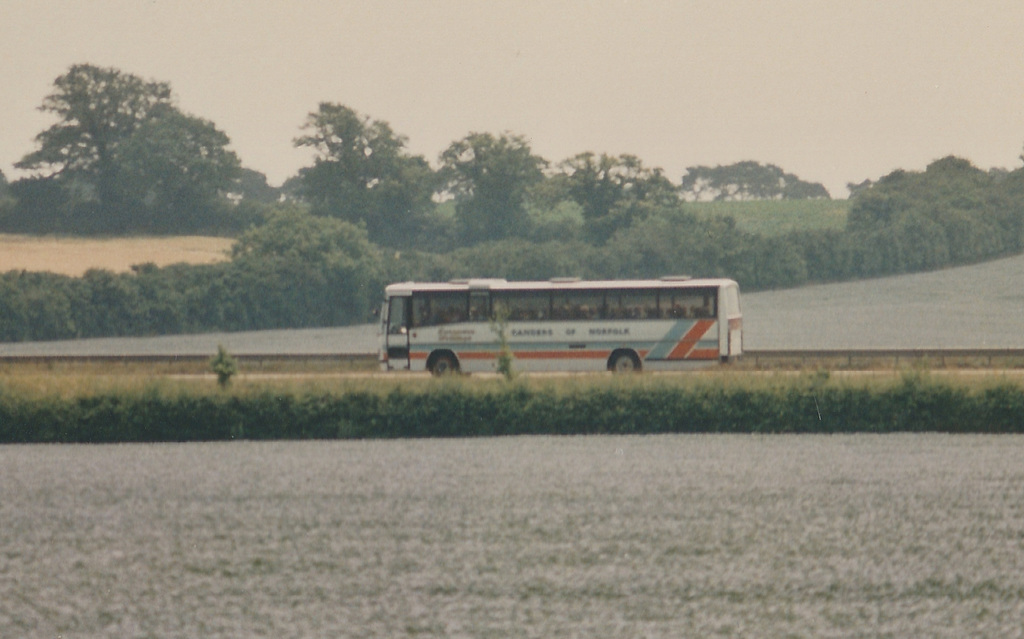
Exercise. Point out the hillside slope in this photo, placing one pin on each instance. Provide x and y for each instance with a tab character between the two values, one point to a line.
979	306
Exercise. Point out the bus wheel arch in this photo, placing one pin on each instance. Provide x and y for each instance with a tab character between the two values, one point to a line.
624	360
443	362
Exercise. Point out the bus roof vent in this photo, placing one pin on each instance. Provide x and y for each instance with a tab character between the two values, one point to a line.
565	280
484	283
675	278
460	280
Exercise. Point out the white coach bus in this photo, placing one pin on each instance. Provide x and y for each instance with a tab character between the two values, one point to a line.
561	325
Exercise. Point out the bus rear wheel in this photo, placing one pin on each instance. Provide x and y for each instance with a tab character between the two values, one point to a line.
443	363
624	361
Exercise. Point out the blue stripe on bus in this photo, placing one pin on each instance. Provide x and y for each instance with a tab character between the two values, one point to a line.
665	345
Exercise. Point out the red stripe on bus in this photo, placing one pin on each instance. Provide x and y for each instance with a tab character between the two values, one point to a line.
573	354
689	341
704	353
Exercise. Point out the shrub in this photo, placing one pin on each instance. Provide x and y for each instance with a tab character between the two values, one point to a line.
224	366
465	408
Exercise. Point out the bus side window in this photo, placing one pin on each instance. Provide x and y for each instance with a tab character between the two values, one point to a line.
450	308
675	305
708	309
479	306
670	306
579	305
560	307
421	314
525	306
688	304
632	305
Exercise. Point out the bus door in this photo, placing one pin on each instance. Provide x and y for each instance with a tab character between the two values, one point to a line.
397	333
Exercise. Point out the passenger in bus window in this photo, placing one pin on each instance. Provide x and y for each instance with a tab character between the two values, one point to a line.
421	312
477	314
451	315
707	309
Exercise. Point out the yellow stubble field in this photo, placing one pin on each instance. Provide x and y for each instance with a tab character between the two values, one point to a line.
74	256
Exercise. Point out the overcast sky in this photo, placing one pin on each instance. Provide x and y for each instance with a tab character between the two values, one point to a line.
833	91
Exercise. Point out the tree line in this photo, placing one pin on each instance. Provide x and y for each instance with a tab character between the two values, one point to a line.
122	159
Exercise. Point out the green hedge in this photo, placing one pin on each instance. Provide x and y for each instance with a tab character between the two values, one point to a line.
455	409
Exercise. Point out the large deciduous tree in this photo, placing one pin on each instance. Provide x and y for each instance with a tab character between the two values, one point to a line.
98	110
177	165
124	155
746	181
6	201
363	174
489	177
613	192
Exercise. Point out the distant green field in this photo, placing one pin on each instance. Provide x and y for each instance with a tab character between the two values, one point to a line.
762	217
778	217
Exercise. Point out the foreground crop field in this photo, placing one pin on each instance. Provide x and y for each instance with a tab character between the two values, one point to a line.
658	536
74	256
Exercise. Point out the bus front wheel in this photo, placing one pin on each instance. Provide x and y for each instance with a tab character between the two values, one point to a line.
624	362
443	363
